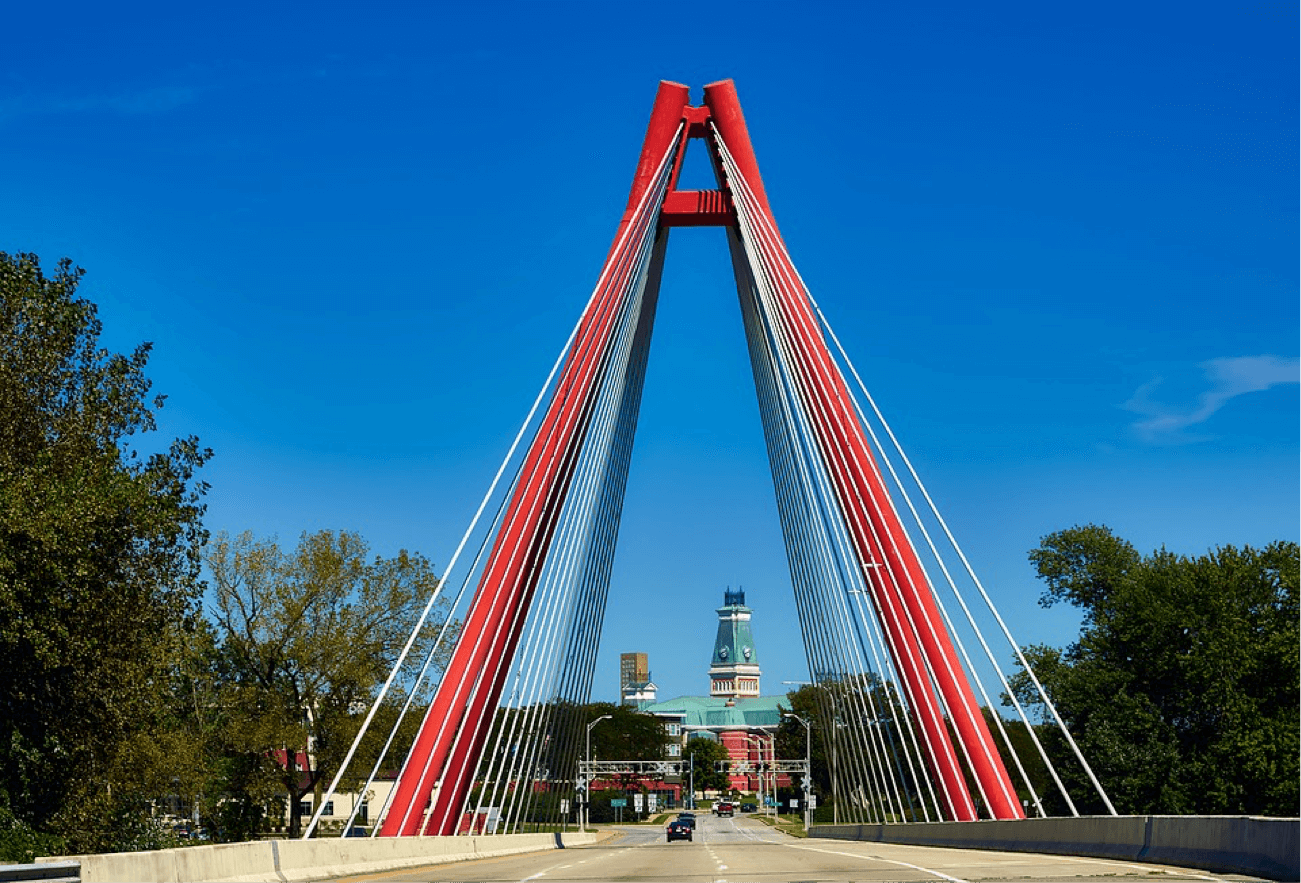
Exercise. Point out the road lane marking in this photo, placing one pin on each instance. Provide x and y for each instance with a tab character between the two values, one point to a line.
1151	869
940	874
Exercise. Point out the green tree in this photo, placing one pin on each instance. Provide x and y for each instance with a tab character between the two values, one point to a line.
309	635
99	562
628	735
1182	689
704	756
808	703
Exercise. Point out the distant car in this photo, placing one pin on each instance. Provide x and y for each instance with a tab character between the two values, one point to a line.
688	819
723	809
749	807
679	830
356	831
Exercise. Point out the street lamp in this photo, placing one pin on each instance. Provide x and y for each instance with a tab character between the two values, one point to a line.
691	801
808	765
588	802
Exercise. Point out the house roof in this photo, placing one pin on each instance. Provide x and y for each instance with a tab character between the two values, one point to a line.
715	712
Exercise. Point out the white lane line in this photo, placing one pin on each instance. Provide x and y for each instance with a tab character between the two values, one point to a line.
1150	869
877	858
560	868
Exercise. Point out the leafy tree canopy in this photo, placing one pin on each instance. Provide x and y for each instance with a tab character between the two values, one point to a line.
308	635
628	735
704	755
1182	689
99	558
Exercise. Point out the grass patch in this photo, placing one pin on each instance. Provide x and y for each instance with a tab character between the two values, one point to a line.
790	824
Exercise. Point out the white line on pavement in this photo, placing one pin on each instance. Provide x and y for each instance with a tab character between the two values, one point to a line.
877	858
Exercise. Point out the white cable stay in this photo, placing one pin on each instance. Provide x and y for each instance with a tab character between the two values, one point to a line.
743	198
573	543
643	221
751	239
650	195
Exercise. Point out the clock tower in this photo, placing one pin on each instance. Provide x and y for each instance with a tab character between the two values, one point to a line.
734	668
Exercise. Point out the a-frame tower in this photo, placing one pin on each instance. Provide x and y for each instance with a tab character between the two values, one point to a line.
603	372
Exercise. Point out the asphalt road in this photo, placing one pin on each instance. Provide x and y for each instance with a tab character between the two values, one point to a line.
733	850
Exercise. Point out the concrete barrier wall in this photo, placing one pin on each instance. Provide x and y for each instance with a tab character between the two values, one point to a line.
303	860
1251	845
1245	844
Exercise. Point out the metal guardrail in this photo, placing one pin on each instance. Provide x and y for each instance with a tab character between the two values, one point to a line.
46	872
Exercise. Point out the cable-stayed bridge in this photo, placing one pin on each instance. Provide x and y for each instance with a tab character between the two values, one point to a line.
897	627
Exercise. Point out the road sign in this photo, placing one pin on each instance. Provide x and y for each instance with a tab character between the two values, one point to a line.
795	803
618	801
637	800
564	806
652	802
813	801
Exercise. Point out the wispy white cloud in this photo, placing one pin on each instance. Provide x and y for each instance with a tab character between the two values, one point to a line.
1227	378
159	99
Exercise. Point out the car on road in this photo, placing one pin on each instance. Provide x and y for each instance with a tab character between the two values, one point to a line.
679	830
749	807
723	808
688	819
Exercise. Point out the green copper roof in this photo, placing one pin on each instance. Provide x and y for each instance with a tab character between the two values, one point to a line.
734	644
713	711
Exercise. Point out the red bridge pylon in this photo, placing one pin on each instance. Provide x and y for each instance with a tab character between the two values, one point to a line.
440	770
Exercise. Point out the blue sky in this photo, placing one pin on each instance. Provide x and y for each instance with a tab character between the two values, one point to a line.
1059	243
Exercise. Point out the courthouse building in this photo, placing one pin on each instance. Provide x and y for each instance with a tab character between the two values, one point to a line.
735	713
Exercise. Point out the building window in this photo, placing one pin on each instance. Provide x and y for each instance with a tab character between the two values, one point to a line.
305	808
675	750
675	729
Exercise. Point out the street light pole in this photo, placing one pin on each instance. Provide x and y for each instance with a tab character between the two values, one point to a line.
772	771
808	765
691	799
759	769
835	729
584	817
